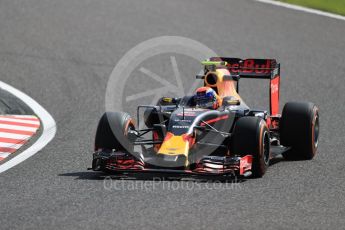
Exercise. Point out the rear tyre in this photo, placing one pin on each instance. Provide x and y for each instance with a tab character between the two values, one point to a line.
251	137
112	132
299	129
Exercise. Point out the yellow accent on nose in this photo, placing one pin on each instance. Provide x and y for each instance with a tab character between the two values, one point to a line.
175	145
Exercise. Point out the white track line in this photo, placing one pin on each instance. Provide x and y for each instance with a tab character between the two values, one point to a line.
47	123
304	9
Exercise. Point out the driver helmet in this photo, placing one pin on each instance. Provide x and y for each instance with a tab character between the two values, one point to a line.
206	98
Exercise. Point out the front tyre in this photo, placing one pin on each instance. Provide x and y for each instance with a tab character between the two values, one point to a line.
251	137
299	129
112	132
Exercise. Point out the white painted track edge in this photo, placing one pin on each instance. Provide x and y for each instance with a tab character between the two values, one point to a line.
48	126
303	9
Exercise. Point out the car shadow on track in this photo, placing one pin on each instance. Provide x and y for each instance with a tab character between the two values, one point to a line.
276	160
87	175
90	175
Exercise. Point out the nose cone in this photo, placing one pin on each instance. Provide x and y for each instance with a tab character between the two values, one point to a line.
174	145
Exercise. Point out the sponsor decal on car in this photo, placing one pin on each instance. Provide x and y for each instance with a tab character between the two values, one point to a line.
180	126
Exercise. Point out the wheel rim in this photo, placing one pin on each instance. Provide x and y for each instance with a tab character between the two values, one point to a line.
266	147
316	131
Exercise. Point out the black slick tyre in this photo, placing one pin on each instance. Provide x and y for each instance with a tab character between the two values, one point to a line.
112	132
251	137
299	129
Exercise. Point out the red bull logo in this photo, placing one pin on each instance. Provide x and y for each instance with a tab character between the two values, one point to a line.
251	66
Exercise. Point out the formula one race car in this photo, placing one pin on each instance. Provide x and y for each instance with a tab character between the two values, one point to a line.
212	132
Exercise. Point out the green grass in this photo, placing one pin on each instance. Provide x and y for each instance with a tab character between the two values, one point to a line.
333	6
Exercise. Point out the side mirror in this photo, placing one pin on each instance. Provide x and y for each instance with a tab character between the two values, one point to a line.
169	101
231	101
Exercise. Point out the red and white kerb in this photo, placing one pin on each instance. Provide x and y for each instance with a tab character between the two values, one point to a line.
15	131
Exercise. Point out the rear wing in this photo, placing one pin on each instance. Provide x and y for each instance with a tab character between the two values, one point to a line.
255	69
251	68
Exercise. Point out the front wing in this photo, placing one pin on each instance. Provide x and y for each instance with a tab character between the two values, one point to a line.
116	161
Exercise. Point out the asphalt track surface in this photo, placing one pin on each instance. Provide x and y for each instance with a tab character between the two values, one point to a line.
9	104
61	53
